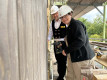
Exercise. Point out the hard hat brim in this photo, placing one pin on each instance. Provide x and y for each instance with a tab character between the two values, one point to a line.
54	12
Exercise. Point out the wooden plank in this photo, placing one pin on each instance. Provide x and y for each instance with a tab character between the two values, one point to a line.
100	77
23	37
25	40
9	69
32	26
102	60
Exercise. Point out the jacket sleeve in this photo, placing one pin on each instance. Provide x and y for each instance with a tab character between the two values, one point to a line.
79	38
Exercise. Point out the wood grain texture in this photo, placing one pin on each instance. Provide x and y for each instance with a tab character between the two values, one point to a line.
8	41
23	37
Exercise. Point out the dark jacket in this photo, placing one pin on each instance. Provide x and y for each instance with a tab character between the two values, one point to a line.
78	43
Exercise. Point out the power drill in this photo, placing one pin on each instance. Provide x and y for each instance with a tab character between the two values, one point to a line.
58	47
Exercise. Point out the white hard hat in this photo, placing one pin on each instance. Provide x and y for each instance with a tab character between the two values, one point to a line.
64	10
54	9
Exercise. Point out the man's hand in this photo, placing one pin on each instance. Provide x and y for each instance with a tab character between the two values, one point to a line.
63	52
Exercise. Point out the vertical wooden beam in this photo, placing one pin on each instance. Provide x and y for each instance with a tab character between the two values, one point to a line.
48	14
23	37
9	69
32	27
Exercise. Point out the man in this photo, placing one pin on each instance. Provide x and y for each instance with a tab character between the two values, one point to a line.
58	31
78	43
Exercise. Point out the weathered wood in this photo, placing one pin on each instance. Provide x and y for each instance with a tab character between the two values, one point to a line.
8	41
100	77
102	60
32	21
23	37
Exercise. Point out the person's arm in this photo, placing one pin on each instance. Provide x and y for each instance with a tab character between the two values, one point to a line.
50	34
79	41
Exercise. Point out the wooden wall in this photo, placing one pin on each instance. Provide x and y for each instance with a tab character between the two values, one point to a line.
23	37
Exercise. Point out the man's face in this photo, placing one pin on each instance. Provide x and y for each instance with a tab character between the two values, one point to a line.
55	16
66	19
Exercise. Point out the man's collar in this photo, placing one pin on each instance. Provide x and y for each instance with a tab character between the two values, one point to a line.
57	20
